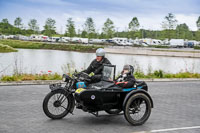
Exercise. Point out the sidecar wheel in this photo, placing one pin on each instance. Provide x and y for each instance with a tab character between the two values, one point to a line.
113	111
56	104
137	109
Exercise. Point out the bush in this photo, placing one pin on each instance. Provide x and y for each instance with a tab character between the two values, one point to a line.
158	74
7	78
139	74
28	77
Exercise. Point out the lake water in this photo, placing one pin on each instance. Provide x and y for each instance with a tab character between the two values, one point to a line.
42	61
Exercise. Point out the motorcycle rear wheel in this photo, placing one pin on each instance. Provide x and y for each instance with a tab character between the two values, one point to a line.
56	104
137	109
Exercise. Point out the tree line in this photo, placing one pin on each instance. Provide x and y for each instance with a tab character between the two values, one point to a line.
170	29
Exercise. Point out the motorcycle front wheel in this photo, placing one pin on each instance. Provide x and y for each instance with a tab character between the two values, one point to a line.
56	104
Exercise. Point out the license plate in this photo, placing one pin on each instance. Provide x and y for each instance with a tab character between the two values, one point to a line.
79	90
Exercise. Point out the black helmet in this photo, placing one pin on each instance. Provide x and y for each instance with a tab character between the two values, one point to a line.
129	68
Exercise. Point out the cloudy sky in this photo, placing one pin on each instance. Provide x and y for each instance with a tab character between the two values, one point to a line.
150	13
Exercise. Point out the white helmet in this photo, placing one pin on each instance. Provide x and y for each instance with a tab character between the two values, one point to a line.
100	52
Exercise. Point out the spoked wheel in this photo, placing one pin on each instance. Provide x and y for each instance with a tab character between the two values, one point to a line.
56	104
113	111
137	109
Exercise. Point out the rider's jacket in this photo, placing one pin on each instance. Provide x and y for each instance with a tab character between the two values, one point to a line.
97	67
125	80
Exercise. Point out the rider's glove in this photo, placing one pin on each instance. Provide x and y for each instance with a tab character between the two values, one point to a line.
95	77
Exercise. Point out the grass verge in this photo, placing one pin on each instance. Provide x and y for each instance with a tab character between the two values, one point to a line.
6	48
196	47
161	74
25	77
41	45
158	74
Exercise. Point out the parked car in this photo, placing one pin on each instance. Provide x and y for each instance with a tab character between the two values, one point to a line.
65	39
176	42
95	41
122	41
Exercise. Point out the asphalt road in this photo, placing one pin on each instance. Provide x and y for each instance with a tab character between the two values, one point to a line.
177	110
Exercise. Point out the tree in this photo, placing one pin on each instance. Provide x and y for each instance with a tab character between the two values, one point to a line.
18	22
134	24
5	21
182	31
33	25
84	34
198	23
70	28
49	27
89	27
108	28
5	26
197	35
170	22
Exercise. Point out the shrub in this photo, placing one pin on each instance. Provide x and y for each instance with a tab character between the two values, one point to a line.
7	78
158	74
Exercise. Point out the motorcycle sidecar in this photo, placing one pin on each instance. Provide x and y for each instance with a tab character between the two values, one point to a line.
135	102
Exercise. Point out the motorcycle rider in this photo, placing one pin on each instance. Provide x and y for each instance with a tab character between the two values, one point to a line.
96	65
126	79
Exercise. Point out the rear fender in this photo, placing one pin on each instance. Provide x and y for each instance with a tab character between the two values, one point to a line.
134	92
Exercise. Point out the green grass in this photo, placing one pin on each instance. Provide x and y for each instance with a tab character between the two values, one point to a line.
152	46
196	47
170	50
162	74
25	77
41	45
158	46
158	74
6	48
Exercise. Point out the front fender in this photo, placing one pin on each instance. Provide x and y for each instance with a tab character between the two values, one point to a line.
72	105
134	92
54	87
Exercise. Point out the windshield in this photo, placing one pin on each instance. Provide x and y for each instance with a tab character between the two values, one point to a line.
109	73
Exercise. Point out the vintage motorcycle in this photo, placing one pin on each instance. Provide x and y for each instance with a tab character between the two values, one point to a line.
135	102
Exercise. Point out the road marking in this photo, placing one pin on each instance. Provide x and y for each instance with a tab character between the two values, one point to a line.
174	129
169	129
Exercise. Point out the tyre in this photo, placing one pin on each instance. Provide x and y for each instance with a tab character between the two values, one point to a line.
113	111
137	109
56	104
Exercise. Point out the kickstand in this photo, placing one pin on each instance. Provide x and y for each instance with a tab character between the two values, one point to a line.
72	113
95	113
